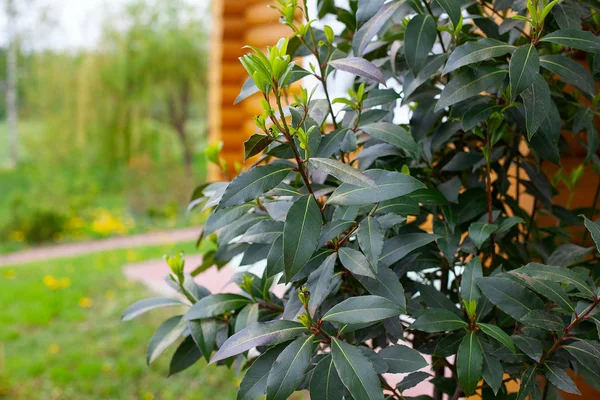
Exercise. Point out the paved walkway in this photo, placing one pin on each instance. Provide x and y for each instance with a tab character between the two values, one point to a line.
93	246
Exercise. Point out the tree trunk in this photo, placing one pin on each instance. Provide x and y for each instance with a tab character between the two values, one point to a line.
11	85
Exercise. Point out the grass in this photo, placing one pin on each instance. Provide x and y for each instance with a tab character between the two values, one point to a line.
61	335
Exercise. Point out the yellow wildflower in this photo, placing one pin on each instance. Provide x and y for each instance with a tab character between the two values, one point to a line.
54	348
51	282
85	302
131	255
64	282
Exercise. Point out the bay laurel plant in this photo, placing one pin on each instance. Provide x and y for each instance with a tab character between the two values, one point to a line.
406	243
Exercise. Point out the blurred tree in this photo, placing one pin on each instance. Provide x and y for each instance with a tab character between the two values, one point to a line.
11	83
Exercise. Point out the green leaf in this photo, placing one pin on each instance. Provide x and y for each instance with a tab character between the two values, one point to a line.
254	383
259	334
448	345
392	134
367	9
559	378
166	334
492	372
466	84
479	232
509	296
321	282
343	172
246	317
438	320
370	238
355	262
418	41
394	249
496	333
185	356
523	68
289	367
402	205
224	217
325	383
362	309
473	52
452	8
568	254
557	274
360	67
372	27
145	305
549	289
571	71
356	371
265	232
378	97
204	333
402	359
216	304
531	347
477	114
574	38
594	228
333	229
300	234
387	285
412	82
390	184
255	144
469	363
249	87
434	298
253	183
586	353
412	380
528	382
544	320
538	103
468	288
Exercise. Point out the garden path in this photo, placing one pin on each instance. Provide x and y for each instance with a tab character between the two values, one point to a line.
93	246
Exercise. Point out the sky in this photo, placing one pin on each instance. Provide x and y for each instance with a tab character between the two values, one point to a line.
66	24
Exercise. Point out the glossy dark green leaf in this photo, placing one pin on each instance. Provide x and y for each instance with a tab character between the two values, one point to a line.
275	258
166	334
204	333
412	380
145	305
492	371
468	288
216	304
438	320
523	68
246	317
574	38
253	183
412	82
321	282
452	8
559	378
255	144
185	356
390	184
403	205
325	383
355	262
362	309
586	353
568	254
436	299
544	320
448	345
537	102
571	71
333	229
528	383
394	249
594	228
466	84
259	334
402	359
567	15
509	296
473	52
392	134
418	41
477	114
360	67
300	234
557	274
225	216
530	346
370	238
355	371
552	290
367	9
289	367
497	333
469	363
387	285
254	383
265	232
372	27
343	172
479	232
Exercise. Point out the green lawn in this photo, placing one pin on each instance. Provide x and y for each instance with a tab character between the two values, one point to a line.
61	335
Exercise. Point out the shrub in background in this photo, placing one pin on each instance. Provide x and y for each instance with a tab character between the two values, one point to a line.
388	232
